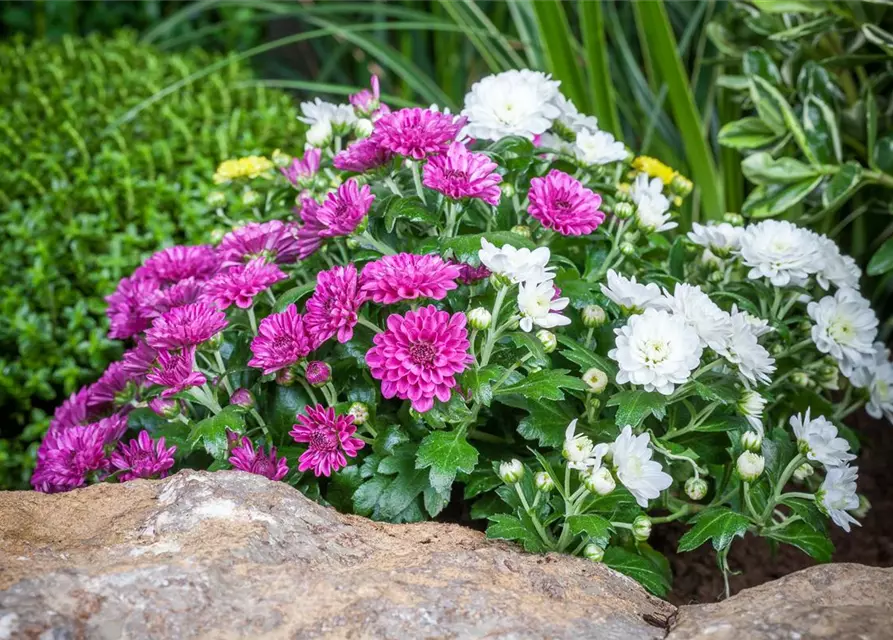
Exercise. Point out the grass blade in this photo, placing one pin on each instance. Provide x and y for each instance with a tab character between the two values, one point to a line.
558	41
595	46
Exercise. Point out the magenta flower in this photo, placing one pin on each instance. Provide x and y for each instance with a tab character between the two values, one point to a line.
406	276
419	355
68	456
111	428
173	264
459	174
176	371
143	458
244	457
469	274
561	203
138	362
300	171
185	292
281	341
242	397
310	234
186	326
74	411
104	392
238	285
318	373
165	407
344	208
332	309
368	103
329	439
361	156
416	133
275	240
125	312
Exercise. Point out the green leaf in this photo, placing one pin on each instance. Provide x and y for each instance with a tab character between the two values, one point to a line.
843	185
878	36
636	405
808	512
478	382
547	383
292	296
778	451
508	527
410	209
280	407
871	124
211	432
822	131
772	200
546	423
718	524
578	354
882	260
677	259
467	247
446	453
561	59
814	543
747	133
598	55
762	168
597	528
717	388
882	158
790	6
641	569
533	345
756	62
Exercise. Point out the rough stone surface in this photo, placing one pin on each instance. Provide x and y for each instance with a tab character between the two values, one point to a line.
826	601
232	555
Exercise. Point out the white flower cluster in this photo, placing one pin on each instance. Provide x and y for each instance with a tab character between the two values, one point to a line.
652	206
538	301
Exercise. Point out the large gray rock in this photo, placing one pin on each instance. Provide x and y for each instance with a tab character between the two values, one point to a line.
232	555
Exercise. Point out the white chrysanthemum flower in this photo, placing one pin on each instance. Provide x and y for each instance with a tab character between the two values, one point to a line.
579	451
721	239
642	476
751	405
599	147
861	376
512	103
539	306
645	187
837	268
759	326
571	117
780	251
837	496
817	439
880	388
340	116
555	143
712	324
629	295
755	365
518	265
845	328
656	350
652	207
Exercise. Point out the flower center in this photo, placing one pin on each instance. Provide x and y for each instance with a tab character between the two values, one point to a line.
841	331
655	351
325	441
283	343
422	352
262	466
455	174
564	205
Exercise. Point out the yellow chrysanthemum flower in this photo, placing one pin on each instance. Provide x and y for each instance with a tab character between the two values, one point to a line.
654	168
248	167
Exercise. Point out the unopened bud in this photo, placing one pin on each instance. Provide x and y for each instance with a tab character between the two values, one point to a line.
511	472
864	507
216	199
593	316
750	466
165	407
801	379
733	219
318	373
593	552
716	276
498	281
594	404
280	159
681	185
596	379
521	230
598	481
548	340
642	528
363	128
543	482
508	189
320	134
627	248
217	234
802	472
250	197
751	441
624	210
213	343
695	488
479	318
242	397
285	377
360	413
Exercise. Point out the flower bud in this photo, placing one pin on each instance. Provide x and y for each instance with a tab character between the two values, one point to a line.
801	379
752	441
360	413
479	318
285	377
596	379
508	189
548	340
543	482
695	488
624	210
750	466
318	373
631	236
521	230
733	219
165	407
828	377
216	199
320	134
593	316
498	281
511	472
212	344
627	248
250	197
680	185
217	234
593	552
280	159
715	277
242	397
802	472
864	507
363	128
594	404
642	528
598	481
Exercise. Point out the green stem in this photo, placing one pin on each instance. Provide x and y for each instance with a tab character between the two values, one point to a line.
492	332
369	324
379	246
536	521
417	181
222	370
309	390
782	481
684	511
252	320
796	494
747	501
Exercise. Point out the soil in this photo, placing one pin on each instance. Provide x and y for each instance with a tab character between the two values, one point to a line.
698	580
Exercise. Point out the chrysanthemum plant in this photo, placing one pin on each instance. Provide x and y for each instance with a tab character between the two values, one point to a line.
491	314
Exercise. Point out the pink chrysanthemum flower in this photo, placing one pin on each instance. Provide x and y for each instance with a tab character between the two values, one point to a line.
344	208
238	285
329	438
138	362
173	264
361	156
104	392
459	174
368	103
111	428
275	240
406	276
68	457
419	355
143	457
332	309
281	341
186	326
176	371
185	292
301	170
469	274
318	373
74	411
245	457
416	133
561	203
125	312
310	234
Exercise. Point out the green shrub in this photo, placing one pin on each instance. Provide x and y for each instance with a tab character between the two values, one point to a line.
83	200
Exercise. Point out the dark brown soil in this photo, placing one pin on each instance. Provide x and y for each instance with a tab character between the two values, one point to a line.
697	578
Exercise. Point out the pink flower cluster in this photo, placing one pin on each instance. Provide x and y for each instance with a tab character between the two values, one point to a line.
562	203
329	439
416	133
339	215
245	457
460	174
406	276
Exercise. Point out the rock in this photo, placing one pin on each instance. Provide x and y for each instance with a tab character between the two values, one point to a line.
826	601
233	555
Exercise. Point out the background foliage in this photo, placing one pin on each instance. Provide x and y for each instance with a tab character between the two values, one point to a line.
83	198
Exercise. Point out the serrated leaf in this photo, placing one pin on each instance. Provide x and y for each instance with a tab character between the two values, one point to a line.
533	345
778	450
466	247
578	354
808	512
410	209
641	569
882	260
478	382
211	432
814	543
676	259
508	527
546	423
547	383
636	405
597	528
719	524
446	454
434	501
717	389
